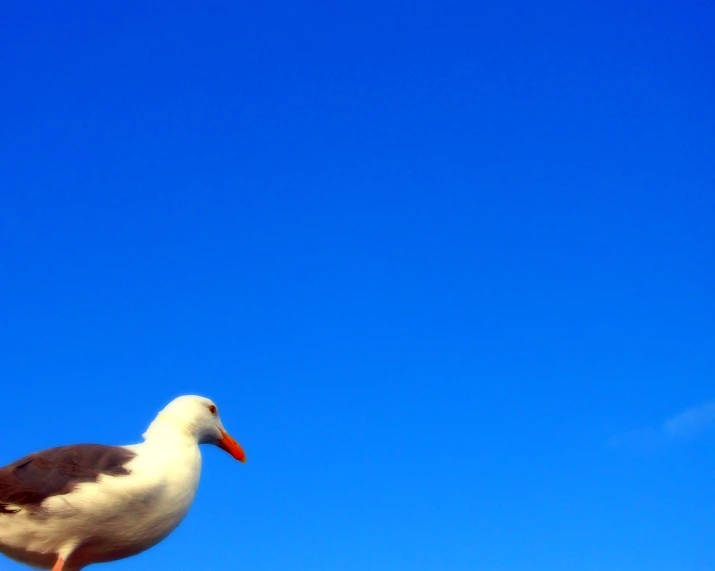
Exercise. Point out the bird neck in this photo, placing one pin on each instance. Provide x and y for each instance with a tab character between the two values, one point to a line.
173	453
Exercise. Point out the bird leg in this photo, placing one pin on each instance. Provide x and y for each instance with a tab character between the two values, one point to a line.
60	563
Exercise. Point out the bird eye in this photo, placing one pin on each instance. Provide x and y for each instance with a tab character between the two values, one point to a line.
212	409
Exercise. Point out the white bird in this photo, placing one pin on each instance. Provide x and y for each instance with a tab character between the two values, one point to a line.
68	507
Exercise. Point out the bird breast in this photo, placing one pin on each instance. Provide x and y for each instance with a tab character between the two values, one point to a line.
119	517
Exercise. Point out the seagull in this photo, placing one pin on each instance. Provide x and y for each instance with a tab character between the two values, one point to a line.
68	507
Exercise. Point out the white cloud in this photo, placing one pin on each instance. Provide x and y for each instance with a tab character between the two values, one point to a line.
690	422
684	425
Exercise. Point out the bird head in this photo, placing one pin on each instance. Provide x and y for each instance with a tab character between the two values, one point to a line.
198	417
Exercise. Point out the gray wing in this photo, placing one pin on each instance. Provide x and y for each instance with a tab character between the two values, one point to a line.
56	471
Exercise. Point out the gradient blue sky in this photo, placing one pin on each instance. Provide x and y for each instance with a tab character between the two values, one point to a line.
447	269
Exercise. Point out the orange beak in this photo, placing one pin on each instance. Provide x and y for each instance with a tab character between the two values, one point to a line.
232	447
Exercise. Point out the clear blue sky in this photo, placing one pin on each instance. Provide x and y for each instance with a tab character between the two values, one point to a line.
447	268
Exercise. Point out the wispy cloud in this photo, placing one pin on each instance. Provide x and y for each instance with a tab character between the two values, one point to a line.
690	422
682	426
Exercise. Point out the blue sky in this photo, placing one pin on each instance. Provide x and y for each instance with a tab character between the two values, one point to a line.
447	269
